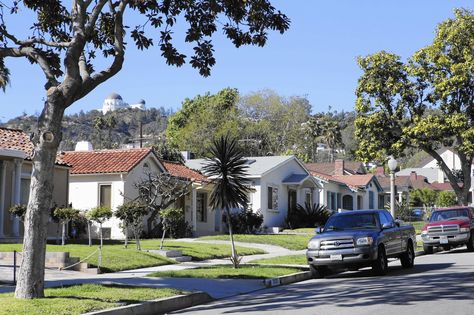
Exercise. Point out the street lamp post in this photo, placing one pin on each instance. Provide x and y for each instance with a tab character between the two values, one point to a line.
392	166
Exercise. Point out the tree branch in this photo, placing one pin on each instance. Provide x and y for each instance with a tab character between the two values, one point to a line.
33	40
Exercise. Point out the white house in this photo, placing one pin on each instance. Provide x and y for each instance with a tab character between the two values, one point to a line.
278	184
344	188
108	177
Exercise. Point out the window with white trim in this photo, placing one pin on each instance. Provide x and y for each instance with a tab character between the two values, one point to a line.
105	195
308	199
272	195
201	207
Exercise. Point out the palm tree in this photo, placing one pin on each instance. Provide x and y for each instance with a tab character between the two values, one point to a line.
227	171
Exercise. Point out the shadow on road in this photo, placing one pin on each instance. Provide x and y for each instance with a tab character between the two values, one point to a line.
360	288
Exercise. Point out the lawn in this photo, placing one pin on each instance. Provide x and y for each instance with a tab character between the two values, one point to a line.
229	272
80	299
200	251
289	241
116	258
310	231
283	260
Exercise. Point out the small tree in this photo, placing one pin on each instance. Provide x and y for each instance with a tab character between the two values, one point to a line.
65	215
424	196
446	199
227	170
132	214
173	220
18	211
100	215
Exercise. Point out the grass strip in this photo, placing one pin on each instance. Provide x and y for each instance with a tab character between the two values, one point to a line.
283	260
228	272
293	242
80	299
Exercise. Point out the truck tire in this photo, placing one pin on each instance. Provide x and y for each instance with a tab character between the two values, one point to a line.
380	265
408	258
470	243
428	249
320	271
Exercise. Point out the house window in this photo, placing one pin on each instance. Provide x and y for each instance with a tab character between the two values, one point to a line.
371	200
308	197
201	207
105	196
272	201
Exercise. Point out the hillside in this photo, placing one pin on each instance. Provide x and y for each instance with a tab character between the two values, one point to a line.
83	126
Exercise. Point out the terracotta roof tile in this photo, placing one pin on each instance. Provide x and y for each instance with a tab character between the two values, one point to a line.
180	170
328	168
104	161
15	139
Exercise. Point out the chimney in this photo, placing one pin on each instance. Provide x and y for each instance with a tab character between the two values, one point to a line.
380	170
413	176
339	167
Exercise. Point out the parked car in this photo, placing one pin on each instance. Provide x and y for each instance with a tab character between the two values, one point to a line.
417	214
449	227
361	238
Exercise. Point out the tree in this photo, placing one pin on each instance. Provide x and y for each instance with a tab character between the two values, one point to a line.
132	214
65	215
424	196
425	103
227	171
64	42
159	191
446	199
100	215
173	220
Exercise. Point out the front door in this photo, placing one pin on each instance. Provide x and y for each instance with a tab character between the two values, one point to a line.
291	201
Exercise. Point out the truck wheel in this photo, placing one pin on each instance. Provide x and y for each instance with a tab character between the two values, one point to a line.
320	271
408	258
380	266
470	243
428	249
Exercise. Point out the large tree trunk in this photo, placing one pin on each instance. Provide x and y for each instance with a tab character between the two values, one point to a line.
31	276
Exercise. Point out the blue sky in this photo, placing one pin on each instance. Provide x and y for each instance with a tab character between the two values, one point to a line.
316	58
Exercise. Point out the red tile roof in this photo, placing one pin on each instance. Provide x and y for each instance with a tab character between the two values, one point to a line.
352	167
104	161
180	170
15	139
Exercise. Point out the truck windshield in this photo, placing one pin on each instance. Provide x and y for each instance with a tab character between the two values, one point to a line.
455	214
351	222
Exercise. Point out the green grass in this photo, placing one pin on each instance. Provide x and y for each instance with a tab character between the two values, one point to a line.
114	256
117	258
81	299
200	251
229	272
293	242
283	260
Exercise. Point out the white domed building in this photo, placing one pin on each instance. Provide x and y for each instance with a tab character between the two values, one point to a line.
114	101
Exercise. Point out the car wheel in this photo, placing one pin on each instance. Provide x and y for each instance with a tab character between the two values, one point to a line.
380	266
319	271
470	244
428	249
408	258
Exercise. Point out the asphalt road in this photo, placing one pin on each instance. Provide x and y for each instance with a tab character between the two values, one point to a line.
442	283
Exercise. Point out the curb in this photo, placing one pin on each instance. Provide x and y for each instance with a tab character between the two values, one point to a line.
295	277
159	306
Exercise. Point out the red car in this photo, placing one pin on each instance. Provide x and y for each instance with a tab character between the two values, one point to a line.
449	227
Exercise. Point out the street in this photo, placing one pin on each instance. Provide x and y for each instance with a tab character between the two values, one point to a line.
442	283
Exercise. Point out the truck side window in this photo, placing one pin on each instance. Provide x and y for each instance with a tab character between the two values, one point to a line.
383	219
388	216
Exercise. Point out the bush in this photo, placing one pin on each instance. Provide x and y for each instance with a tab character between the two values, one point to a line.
308	216
18	211
245	221
446	199
175	223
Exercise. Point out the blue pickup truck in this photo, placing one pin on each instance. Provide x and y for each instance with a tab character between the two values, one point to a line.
361	238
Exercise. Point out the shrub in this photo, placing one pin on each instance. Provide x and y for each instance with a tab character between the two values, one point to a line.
307	216
174	223
18	211
446	199
245	221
